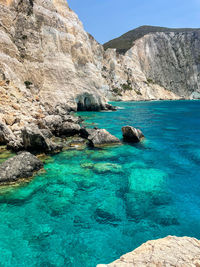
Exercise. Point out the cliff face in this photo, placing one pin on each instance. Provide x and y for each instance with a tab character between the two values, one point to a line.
169	251
159	65
46	54
49	63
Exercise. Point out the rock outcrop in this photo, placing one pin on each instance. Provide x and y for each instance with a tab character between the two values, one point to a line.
19	166
169	251
131	134
158	63
101	137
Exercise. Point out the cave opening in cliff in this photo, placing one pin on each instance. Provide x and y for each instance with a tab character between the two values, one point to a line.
86	102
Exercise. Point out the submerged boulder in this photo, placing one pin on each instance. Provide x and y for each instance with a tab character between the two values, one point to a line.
20	166
101	137
132	134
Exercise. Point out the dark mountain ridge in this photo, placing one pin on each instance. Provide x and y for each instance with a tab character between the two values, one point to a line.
125	41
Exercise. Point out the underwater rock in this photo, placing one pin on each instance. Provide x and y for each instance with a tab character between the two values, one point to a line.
150	180
22	165
168	251
109	210
165	215
101	137
107	167
132	134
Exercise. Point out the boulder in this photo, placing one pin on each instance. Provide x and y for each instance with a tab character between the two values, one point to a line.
33	139
132	134
53	122
101	137
86	132
168	251
67	125
20	166
69	129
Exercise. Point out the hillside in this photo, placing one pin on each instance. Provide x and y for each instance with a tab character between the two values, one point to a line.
125	41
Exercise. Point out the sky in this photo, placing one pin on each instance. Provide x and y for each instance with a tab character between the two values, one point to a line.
108	19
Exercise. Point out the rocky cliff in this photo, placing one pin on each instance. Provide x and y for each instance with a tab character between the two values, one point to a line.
46	54
159	63
50	65
169	251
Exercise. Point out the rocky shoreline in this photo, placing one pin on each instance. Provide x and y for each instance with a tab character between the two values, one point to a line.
168	251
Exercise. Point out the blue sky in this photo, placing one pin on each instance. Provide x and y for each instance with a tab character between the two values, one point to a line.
108	19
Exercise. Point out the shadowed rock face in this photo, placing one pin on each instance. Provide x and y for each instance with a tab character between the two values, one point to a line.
131	134
169	251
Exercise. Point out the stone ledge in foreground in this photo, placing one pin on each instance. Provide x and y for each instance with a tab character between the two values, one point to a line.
165	252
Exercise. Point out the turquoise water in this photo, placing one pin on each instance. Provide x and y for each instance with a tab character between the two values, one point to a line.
92	206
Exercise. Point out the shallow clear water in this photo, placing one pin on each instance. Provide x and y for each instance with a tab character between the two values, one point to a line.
92	206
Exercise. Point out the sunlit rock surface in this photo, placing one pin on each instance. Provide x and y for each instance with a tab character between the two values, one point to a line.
169	251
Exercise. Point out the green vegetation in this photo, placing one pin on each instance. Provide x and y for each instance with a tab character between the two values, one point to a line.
28	84
125	42
117	91
150	80
127	87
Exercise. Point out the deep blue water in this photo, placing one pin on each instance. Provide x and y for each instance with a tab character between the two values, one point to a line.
92	206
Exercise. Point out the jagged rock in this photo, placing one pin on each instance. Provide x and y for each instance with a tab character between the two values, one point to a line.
33	139
132	134
85	132
15	145
168	251
110	107
73	119
20	166
46	133
53	122
6	134
63	126
69	129
101	137
102	168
